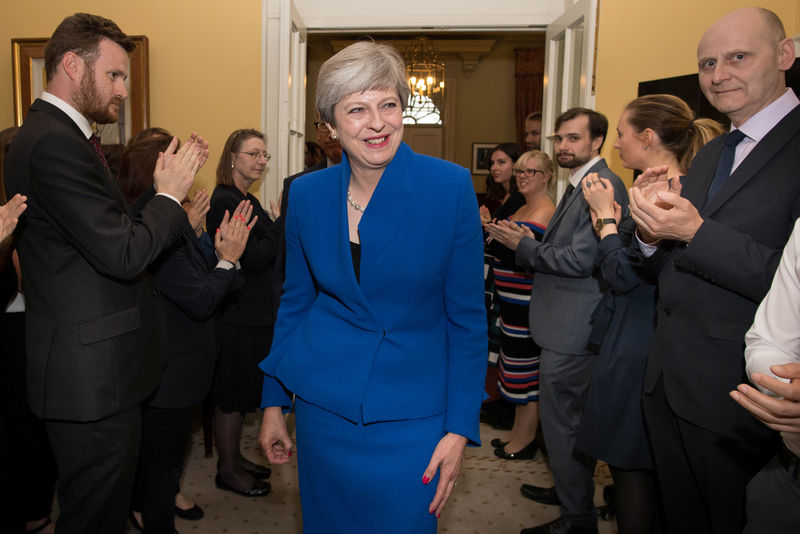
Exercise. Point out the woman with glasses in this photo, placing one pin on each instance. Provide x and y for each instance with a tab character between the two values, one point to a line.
246	316
519	355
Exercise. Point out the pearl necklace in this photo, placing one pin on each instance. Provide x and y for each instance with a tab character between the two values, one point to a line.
353	202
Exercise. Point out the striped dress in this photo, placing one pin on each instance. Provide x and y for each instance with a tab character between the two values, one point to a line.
519	355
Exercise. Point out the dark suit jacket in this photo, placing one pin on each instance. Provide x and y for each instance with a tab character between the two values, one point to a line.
253	303
92	334
567	285
709	290
192	289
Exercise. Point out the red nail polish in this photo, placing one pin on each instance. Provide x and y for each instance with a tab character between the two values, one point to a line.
438	515
425	479
217	230
248	227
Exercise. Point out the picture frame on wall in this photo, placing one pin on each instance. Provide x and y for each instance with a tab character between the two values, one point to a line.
481	157
27	60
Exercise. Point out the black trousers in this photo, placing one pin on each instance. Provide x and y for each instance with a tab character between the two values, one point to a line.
96	468
702	475
165	434
27	466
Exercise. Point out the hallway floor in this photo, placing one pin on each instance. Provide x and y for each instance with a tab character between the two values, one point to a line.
487	499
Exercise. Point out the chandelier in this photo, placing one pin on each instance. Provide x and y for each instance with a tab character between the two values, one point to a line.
425	72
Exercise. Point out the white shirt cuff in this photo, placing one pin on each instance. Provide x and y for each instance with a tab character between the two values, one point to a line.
169	196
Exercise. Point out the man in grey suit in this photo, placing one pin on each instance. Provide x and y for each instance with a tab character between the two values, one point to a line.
566	290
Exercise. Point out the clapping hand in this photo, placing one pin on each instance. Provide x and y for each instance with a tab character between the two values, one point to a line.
9	214
658	209
508	233
175	170
196	210
233	232
781	414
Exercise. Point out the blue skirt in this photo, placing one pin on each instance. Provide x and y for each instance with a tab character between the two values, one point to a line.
365	478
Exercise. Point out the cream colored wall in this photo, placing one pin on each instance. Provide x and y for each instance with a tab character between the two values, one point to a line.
205	60
641	41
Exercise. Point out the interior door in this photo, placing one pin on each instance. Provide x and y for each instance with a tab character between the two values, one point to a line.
569	70
285	94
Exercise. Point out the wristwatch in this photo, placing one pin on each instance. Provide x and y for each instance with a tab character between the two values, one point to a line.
600	223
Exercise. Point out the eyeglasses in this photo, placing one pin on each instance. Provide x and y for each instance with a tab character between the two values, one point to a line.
530	173
321	126
256	153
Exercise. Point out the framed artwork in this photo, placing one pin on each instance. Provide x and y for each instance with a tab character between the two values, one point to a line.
481	156
27	60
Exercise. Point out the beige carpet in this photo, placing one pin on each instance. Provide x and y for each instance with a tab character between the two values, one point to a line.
487	499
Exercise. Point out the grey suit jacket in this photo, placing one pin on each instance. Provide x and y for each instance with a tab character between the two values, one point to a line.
567	286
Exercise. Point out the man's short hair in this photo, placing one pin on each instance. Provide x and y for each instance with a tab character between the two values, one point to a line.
598	123
535	116
81	33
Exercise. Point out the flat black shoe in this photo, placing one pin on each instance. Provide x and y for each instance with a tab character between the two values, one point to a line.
260	488
526	453
260	471
192	514
540	495
497	443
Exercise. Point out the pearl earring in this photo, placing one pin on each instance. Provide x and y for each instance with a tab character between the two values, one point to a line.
231	165
333	136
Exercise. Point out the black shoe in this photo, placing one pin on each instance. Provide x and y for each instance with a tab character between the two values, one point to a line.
525	453
259	489
259	471
497	443
558	526
192	514
540	495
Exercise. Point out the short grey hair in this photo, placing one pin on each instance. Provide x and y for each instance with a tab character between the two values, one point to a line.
362	66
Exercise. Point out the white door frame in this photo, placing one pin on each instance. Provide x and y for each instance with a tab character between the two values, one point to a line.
284	84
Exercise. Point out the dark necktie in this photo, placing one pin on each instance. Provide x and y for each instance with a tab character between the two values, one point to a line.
95	141
567	193
725	162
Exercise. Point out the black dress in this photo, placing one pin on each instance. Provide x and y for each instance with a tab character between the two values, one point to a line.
247	315
612	427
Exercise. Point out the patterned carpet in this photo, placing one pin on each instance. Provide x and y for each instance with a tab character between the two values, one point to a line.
487	499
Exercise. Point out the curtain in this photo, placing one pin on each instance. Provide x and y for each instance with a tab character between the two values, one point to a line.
529	72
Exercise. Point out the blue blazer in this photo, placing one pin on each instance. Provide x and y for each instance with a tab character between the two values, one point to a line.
409	340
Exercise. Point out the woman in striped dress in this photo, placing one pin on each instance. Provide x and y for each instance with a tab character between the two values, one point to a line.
519	355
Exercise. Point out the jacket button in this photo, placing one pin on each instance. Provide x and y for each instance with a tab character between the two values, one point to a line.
667	312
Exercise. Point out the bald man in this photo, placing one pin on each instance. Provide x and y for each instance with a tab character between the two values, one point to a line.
716	250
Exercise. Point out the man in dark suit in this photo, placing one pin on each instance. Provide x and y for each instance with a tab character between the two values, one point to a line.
333	156
715	248
92	336
566	289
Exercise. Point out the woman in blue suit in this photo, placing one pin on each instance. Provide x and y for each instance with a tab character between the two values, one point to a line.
381	330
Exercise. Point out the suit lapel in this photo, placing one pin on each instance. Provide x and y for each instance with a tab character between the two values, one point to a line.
388	208
601	164
112	185
763	152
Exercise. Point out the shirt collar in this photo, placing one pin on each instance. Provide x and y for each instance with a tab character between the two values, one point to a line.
757	126
72	113
576	177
